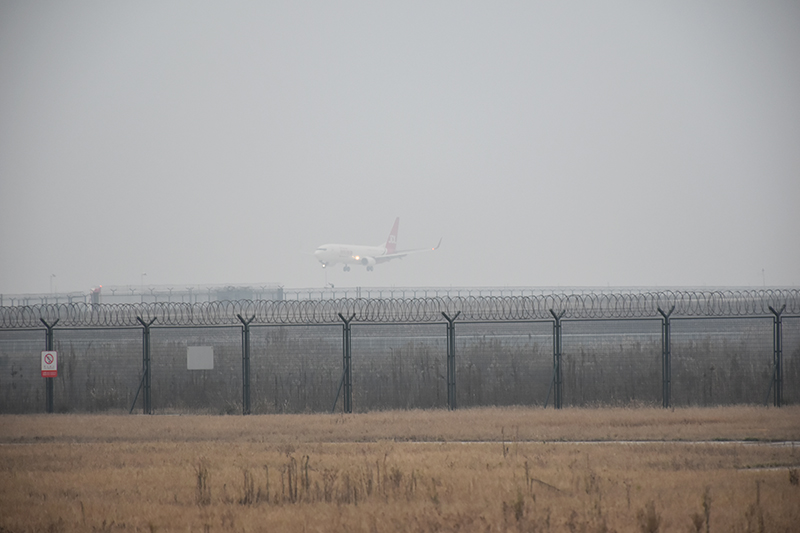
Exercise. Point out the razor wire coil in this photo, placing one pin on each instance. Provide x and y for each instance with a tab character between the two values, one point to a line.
617	305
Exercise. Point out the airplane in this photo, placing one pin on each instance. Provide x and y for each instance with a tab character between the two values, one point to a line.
369	256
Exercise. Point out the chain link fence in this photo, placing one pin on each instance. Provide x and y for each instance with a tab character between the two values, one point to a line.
722	351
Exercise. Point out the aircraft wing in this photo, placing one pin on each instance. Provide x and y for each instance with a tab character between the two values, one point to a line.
402	253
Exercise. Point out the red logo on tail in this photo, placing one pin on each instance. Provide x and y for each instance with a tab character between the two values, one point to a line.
391	242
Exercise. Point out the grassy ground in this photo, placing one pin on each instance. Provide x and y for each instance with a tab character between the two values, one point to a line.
470	470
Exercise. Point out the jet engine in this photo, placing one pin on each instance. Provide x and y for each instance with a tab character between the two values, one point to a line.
368	262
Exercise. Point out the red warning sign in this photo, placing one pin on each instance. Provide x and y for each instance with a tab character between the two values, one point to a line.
50	364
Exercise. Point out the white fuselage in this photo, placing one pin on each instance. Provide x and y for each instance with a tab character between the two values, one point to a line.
348	254
368	256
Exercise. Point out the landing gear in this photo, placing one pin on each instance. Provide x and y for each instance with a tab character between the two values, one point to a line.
346	269
369	269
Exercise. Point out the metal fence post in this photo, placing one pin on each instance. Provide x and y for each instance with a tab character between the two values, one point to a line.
451	360
347	374
777	356
557	372
146	375
48	382
246	363
666	356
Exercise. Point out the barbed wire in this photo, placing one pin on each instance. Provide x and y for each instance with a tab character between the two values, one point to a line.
618	305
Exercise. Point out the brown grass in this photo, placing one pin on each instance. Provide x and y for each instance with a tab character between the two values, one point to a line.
480	470
483	424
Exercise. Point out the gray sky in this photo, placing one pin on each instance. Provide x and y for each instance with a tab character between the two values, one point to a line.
552	143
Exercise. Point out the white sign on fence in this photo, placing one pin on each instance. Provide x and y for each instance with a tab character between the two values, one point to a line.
50	364
200	358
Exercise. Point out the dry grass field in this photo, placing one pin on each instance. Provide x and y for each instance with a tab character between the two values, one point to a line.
697	470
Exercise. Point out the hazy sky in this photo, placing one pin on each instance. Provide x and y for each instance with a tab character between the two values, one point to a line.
552	143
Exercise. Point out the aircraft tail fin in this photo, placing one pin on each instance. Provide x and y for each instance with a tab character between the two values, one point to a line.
391	242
